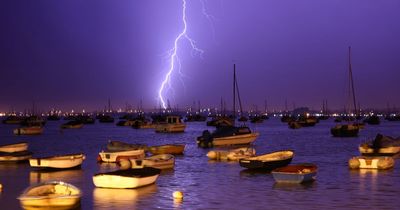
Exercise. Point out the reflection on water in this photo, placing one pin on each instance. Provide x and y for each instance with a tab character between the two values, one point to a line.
208	184
294	186
64	175
120	198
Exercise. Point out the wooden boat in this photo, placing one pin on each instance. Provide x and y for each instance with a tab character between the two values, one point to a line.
17	147
381	146
163	161
32	130
130	178
51	195
58	162
72	124
114	156
378	162
173	124
234	154
226	136
298	173
114	145
174	149
15	156
268	161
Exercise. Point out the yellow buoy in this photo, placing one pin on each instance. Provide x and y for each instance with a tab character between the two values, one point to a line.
1	187
177	195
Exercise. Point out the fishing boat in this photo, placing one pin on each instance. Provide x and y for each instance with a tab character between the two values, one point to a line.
129	178
115	156
297	173
74	124
173	124
114	145
58	162
163	161
51	195
174	149
234	154
16	147
350	129
31	130
231	134
381	146
378	162
15	156
268	161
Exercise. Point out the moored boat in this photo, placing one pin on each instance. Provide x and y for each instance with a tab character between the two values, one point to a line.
378	162
16	147
226	136
114	145
381	146
114	156
51	195
129	178
268	161
234	154
173	124
15	156
31	130
297	173
347	130
58	162
174	149
163	161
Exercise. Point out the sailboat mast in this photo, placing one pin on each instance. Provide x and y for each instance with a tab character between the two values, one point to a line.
352	83
234	93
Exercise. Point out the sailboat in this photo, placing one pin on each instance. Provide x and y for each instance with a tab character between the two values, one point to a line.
230	134
350	129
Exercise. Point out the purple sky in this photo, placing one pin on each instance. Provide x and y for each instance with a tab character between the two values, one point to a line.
77	54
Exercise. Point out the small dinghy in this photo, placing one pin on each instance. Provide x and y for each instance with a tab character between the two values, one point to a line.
58	162
234	154
51	195
163	161
17	147
122	146
268	161
363	162
115	156
15	156
298	173
129	178
174	149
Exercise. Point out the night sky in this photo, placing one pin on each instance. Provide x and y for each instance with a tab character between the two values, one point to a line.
77	54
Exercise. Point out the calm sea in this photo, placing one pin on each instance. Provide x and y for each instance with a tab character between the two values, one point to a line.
212	185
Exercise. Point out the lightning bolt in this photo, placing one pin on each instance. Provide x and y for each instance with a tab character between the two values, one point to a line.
174	58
